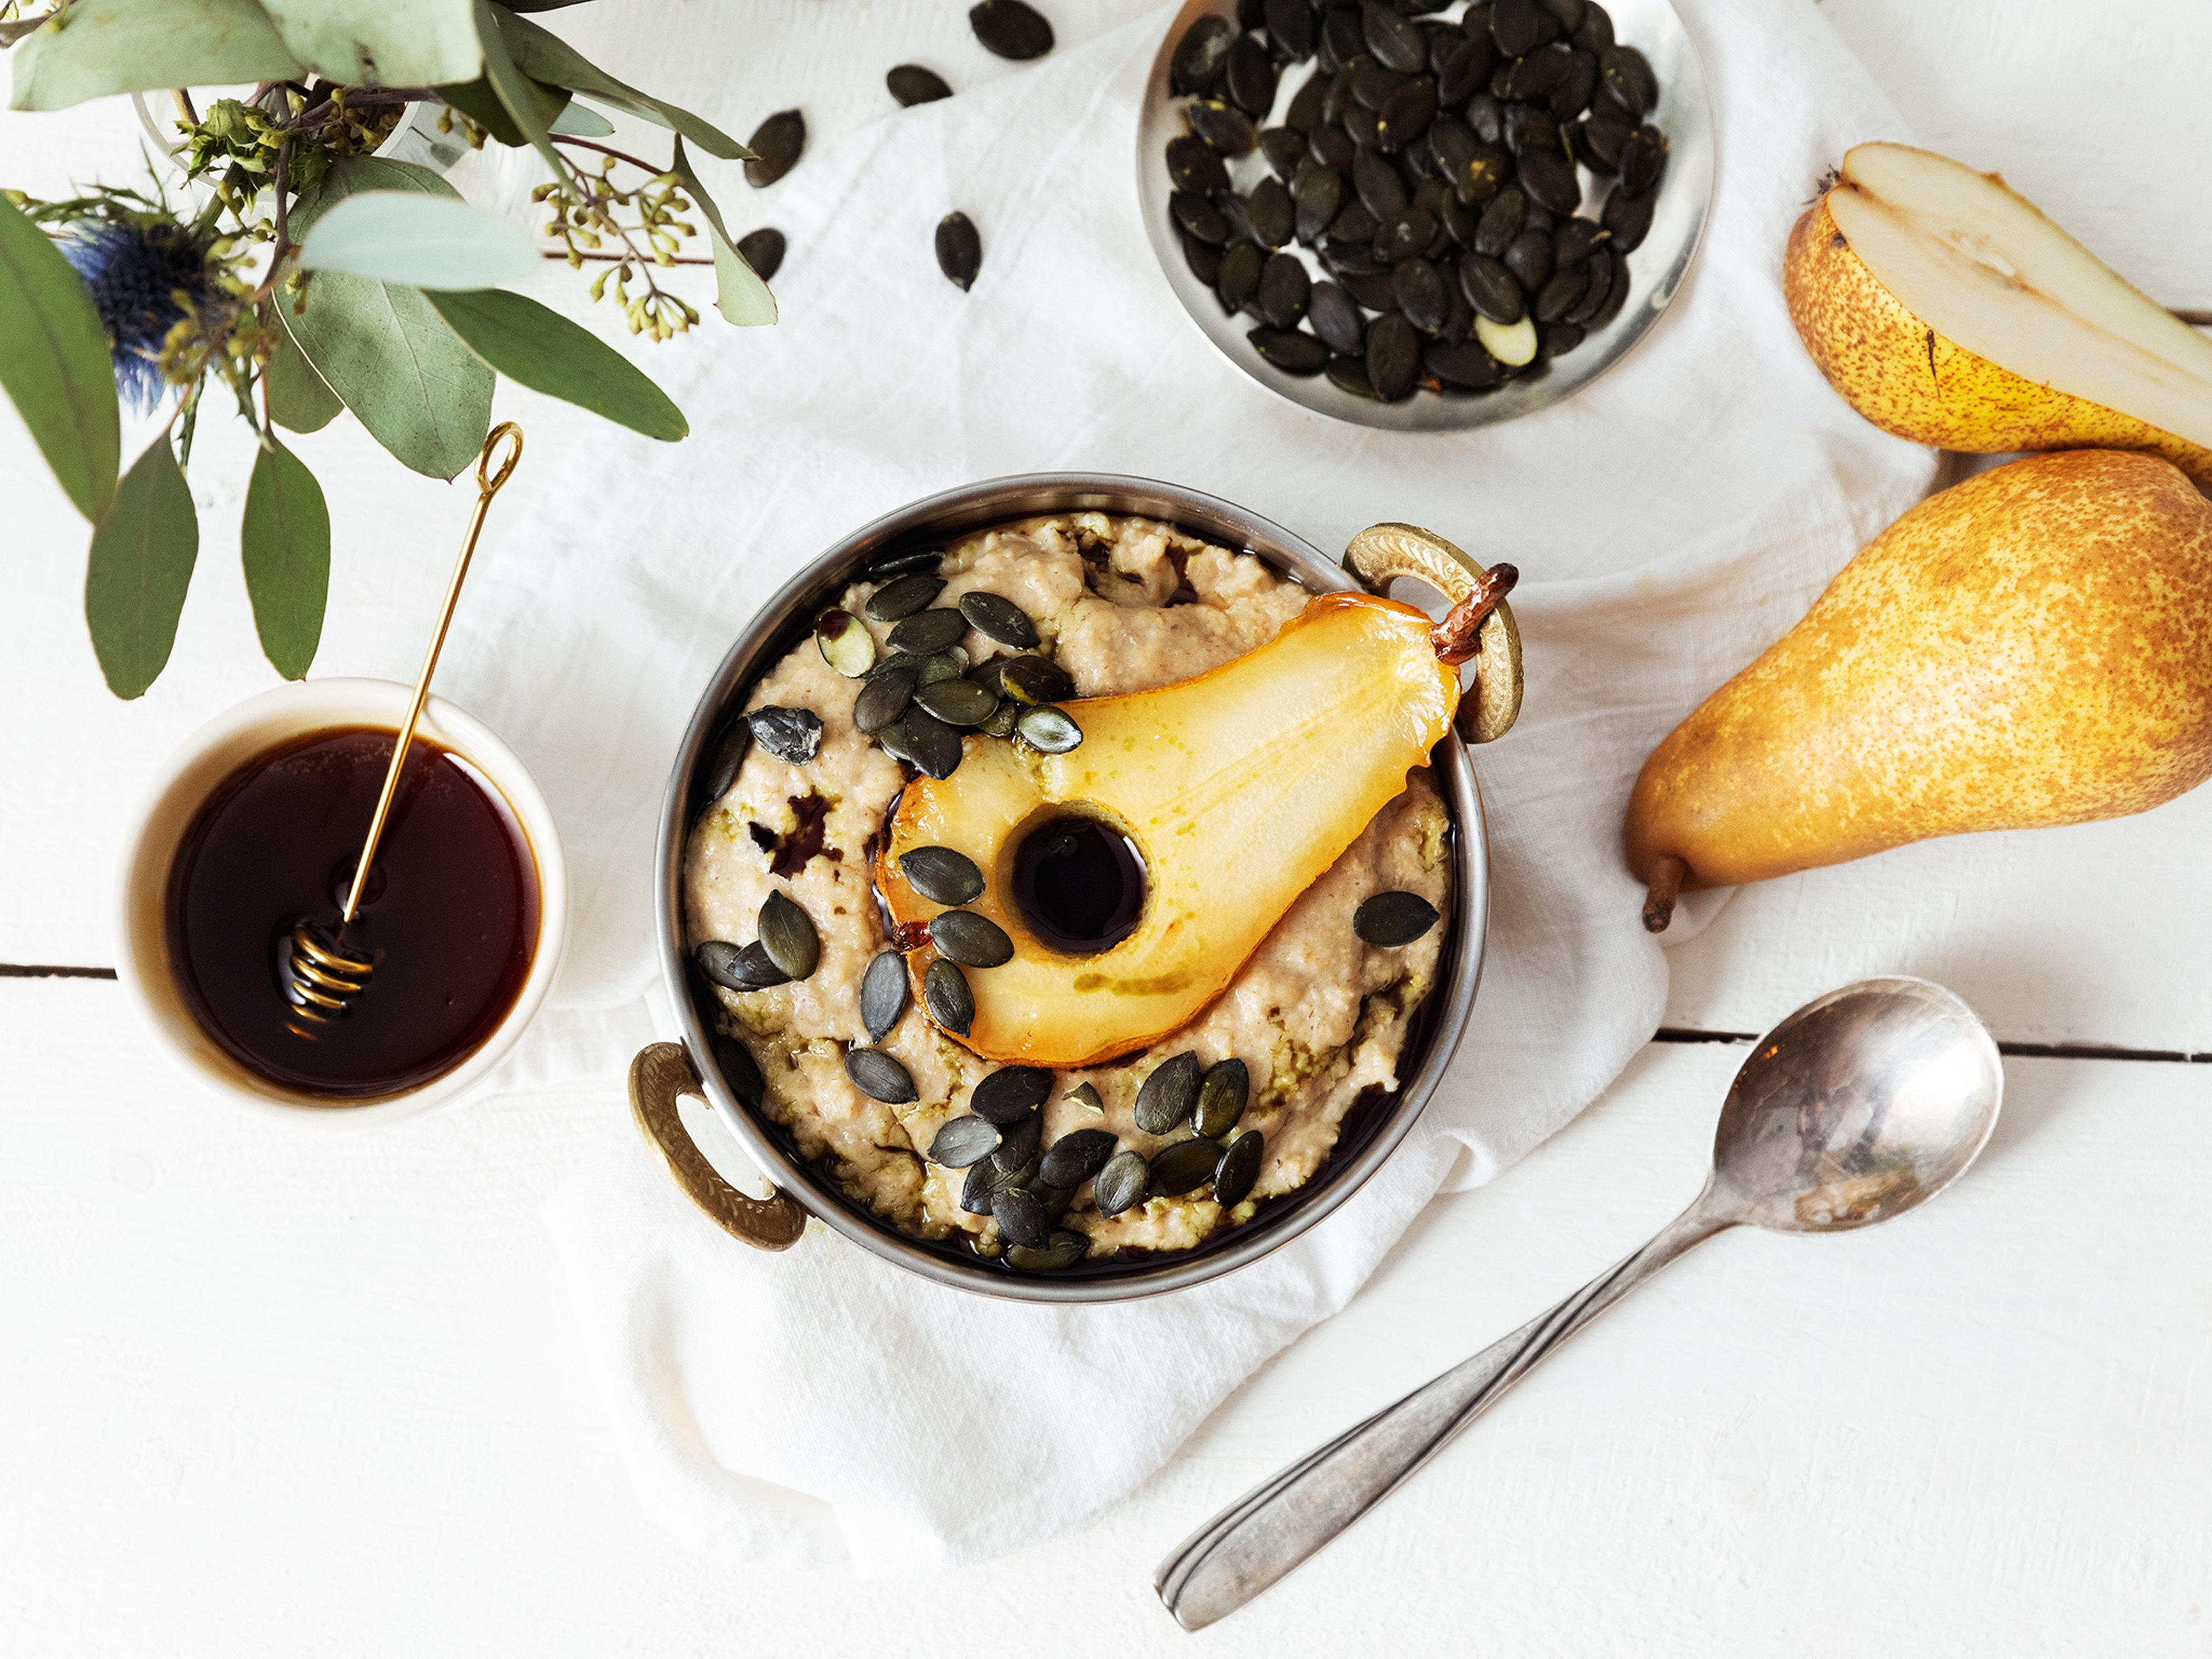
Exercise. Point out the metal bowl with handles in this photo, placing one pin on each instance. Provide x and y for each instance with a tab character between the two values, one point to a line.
664	1072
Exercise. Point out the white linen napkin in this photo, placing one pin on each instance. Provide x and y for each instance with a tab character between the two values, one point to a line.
1668	520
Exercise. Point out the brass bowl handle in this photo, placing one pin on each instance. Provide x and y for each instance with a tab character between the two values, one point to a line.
1382	552
661	1073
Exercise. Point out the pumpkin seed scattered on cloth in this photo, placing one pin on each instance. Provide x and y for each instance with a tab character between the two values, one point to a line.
1413	143
897	600
740	1070
878	1076
1392	919
973	941
942	875
1221	1093
736	967
788	934
1009	1094
1239	1169
847	645
1184	1167
959	250
775	144
912	84
998	618
883	994
951	1003
762	250
1063	1249
1046	728
790	734
1076	1157
1010	28
962	1141
1122	1183
1168	1095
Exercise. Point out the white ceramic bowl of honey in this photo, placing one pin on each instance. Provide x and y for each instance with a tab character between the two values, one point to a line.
257	822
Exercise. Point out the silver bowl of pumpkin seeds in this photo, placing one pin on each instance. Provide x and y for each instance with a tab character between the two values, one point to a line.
973	632
1425	216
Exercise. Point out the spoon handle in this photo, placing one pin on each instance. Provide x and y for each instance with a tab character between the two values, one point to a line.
1289	1515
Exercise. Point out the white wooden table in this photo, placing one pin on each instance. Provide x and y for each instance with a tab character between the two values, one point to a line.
262	1394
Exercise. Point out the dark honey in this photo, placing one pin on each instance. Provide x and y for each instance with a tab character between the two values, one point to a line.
1078	884
449	914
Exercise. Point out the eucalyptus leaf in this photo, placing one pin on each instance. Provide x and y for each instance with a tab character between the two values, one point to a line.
517	91
579	121
544	350
102	46
284	541
382	347
379	42
739	295
426	241
142	555
546	57
54	362
540	5
298	399
476	100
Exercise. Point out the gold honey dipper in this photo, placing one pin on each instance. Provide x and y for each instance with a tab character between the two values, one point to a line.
323	973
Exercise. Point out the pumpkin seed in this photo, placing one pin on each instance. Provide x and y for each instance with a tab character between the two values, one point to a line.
941	875
1240	275
1050	729
1085	1096
846	646
1463	363
928	632
1009	1094
1284	287
1290	29
762	250
1394	918
1236	214
1406	237
1195	165
1528	128
1393	357
1607	102
1395	41
1514	26
949	664
1572	95
1076	1157
1184	1167
1549	177
1503	218
1569	12
1021	1218
1035	680
1597	271
1576	239
1201	56
883	994
1342	38
1484	115
1318	200
912	84
1011	29
959	250
1513	344
1643	158
885	698
1064	1248
1629	218
1349	374
724	755
1364	129
1483	174
1372	85
962	1141
1221	1093
1304	113
1405	116
901	564
1371	288
740	1070
1270	213
1347	260
1595	32
1018	1151
775	145
1168	1094
1420	294
899	599
1530	259
957	701
1560	292
1291	350
1203	259
1627	74
1001	722
786	934
1616	294
1285	148
1331	314
1490	289
1540	72
951	1003
1382	192
1333	148
737	970
1054	1199
1559	339
972	940
1249	75
1198	217
986	1179
998	618
1239	1169
792	735
1464	71
1122	1183
1223	126
924	742
879	1076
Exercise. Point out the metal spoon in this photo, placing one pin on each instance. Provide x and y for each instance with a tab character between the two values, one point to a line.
1859	1107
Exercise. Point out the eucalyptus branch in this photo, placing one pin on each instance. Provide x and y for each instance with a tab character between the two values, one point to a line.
620	156
623	258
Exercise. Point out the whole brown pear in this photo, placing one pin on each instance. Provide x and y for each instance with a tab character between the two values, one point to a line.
2031	647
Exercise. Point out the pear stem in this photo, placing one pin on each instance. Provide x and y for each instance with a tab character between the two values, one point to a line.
1659	897
1454	638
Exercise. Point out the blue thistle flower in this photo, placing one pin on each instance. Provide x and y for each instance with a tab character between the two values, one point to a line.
135	269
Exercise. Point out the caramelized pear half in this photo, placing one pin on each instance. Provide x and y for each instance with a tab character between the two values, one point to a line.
1238	788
